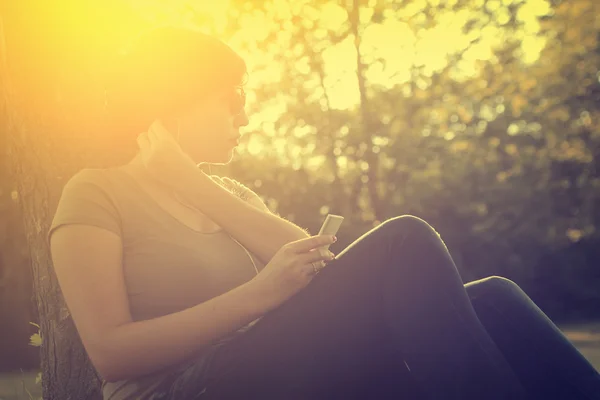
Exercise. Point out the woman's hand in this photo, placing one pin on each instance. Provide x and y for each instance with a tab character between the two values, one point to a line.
234	187
165	160
291	268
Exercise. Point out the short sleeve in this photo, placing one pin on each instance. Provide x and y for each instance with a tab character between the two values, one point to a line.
86	200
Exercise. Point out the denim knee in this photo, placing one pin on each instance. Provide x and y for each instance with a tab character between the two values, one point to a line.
410	225
406	224
497	285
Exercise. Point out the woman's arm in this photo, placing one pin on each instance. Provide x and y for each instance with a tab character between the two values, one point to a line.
138	348
261	231
87	261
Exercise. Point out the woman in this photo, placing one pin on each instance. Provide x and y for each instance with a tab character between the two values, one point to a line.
184	285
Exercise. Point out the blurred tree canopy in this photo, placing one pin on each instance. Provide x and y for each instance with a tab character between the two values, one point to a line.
495	141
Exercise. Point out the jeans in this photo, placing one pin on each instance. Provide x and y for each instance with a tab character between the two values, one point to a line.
390	318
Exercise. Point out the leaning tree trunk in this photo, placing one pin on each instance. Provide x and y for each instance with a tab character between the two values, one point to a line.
39	165
39	172
49	112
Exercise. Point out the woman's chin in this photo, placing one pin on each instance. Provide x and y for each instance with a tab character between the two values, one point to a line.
217	159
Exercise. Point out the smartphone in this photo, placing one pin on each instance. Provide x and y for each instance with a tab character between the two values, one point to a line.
330	226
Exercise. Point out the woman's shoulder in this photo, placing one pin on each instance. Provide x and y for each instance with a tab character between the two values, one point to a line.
89	175
93	180
94	184
87	199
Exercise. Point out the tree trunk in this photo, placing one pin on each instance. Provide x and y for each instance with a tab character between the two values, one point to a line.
40	167
16	308
66	370
43	153
368	123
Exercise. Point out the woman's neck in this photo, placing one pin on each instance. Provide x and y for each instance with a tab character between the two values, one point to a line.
136	169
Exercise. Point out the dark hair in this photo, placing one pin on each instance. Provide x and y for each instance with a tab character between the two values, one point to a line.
167	70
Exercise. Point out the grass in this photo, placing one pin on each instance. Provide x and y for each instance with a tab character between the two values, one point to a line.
19	386
586	337
22	386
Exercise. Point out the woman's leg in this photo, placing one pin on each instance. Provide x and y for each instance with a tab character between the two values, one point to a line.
433	322
393	295
546	363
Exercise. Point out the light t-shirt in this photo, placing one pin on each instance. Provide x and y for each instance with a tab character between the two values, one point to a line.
167	266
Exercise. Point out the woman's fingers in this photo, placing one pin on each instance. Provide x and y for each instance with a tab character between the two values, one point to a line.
227	180
152	132
315	255
312	242
157	128
159	134
161	140
218	179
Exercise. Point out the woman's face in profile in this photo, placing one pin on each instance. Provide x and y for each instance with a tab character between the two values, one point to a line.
209	131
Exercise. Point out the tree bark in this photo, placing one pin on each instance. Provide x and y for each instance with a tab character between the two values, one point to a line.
16	307
40	161
66	370
39	174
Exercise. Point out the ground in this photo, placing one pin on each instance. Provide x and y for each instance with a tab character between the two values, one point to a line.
586	337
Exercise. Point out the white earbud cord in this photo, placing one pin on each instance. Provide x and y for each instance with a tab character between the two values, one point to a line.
247	253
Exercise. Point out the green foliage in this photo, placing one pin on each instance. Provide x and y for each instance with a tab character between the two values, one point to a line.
499	153
36	338
36	341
